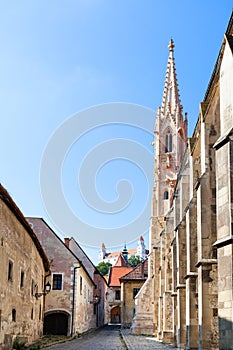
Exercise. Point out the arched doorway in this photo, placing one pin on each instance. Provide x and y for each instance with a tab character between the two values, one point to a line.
116	314
56	323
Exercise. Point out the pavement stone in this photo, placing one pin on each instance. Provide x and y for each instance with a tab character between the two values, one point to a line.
141	342
112	338
106	338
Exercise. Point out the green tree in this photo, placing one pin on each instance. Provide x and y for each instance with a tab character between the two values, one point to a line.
103	267
134	260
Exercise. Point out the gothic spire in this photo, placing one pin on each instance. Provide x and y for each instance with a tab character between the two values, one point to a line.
171	98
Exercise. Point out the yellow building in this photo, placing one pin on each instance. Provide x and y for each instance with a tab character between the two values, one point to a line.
130	287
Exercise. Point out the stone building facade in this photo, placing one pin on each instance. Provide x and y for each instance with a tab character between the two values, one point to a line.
101	286
190	288
69	308
24	269
130	286
113	295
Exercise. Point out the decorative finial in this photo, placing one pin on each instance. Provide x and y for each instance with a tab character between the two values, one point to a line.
171	45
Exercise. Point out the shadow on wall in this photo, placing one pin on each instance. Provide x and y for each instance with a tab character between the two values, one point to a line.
56	323
225	334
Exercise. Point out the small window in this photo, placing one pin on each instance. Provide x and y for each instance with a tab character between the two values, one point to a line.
32	287
57	281
81	285
85	291
135	292
118	295
168	142
10	271
13	315
21	279
40	313
32	314
165	195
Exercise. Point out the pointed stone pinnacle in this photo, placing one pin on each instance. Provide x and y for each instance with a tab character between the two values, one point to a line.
171	45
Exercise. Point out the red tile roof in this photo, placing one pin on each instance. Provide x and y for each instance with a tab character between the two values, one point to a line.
115	273
121	262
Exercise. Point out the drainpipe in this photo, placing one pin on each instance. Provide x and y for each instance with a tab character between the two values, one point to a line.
73	302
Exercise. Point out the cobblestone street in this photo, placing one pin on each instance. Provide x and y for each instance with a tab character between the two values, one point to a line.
111	338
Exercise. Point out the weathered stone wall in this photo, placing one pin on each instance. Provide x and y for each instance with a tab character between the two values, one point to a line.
72	299
100	283
20	312
224	179
127	299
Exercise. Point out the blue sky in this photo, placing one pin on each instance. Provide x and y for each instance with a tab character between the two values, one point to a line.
60	57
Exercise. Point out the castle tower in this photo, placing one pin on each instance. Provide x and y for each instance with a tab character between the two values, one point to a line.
141	249
102	252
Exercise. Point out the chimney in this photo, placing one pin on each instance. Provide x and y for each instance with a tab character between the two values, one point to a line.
67	242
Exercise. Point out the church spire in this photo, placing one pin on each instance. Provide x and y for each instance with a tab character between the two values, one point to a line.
171	98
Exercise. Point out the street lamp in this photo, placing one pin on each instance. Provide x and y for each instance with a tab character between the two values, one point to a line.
47	290
96	300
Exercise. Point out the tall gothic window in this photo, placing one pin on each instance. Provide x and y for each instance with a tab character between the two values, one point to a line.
165	195
168	142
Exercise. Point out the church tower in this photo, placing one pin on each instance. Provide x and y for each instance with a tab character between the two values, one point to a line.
170	138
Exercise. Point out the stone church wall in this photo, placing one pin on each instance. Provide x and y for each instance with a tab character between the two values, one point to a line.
192	243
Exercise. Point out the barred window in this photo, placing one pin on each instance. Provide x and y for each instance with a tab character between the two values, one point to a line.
57	281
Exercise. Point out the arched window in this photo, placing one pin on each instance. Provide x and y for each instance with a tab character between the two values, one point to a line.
168	142
165	195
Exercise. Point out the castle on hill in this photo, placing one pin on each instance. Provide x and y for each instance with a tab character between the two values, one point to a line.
112	257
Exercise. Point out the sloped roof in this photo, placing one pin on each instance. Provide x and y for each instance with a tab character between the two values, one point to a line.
84	258
121	261
4	195
230	41
140	272
115	273
41	225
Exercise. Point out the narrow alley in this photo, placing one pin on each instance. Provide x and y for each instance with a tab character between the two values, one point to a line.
111	338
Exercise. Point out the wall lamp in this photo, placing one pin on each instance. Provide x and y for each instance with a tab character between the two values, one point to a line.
47	290
95	300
